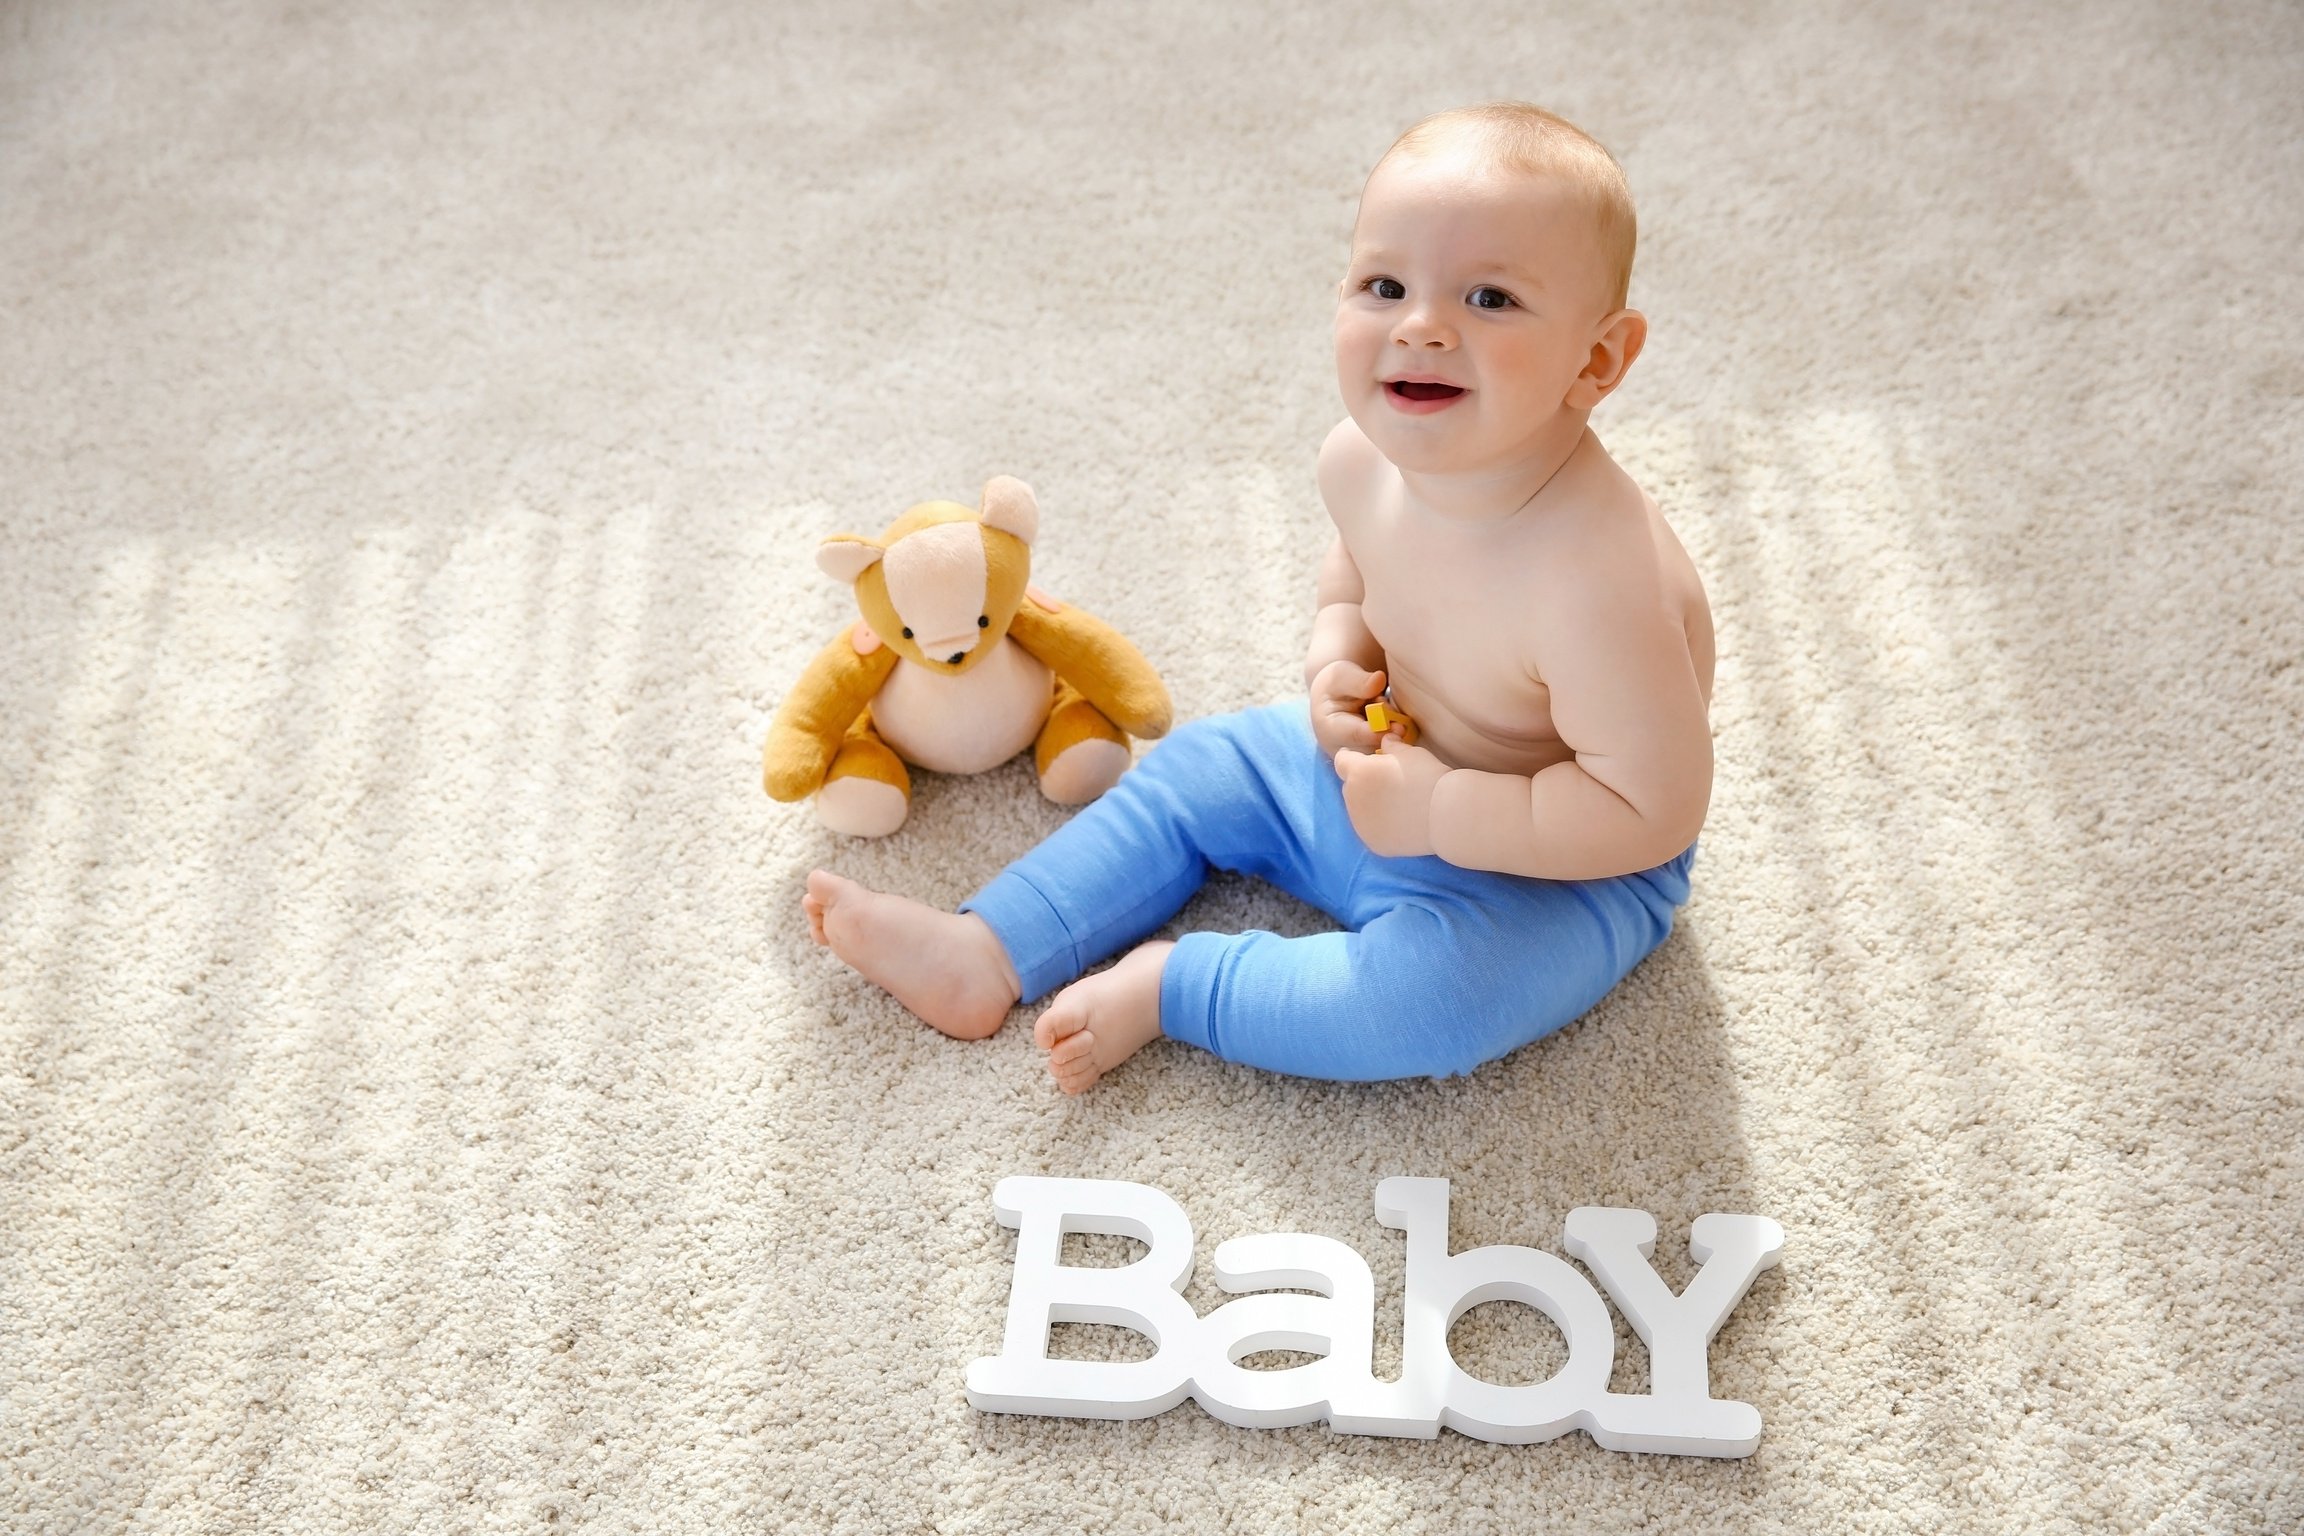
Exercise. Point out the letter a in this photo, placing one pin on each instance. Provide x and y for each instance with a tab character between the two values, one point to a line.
1338	1324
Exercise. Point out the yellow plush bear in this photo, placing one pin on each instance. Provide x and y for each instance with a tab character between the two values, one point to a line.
958	664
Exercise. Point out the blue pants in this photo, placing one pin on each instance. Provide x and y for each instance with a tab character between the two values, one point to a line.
1444	968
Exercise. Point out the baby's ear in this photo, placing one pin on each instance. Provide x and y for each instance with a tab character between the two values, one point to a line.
1615	347
1010	506
844	557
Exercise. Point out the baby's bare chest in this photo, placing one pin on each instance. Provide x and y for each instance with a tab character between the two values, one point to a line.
1450	629
1460	593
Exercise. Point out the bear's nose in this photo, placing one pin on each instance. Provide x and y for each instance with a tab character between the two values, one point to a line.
932	646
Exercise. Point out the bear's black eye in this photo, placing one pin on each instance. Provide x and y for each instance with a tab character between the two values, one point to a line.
983	621
907	631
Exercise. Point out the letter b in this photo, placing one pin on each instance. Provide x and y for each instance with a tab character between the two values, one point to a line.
1433	1389
1143	1296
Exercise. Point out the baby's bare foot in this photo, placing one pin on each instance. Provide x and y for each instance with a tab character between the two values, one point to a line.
1100	1021
947	967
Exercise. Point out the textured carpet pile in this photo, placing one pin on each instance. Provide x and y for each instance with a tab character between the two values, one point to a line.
420	1105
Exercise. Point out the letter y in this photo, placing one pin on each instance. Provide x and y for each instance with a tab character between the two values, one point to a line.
1679	1415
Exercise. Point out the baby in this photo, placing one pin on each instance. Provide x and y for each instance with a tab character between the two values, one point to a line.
1496	579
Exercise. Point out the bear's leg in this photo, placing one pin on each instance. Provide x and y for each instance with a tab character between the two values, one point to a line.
866	792
1080	753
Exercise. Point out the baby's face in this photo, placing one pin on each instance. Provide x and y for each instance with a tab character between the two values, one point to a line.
1473	299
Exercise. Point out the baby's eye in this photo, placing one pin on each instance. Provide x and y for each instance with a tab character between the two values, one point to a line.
1384	288
907	631
1490	298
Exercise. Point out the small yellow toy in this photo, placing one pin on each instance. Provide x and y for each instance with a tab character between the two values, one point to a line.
957	665
1382	717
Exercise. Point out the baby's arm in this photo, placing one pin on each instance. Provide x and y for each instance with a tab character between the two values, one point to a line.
1338	632
1626	701
1343	667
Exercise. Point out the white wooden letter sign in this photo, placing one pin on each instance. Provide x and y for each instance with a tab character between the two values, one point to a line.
1198	1356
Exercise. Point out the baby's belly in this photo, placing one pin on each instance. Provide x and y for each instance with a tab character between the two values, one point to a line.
1452	664
1509	732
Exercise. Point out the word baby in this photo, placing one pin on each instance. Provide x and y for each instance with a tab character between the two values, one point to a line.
1199	1357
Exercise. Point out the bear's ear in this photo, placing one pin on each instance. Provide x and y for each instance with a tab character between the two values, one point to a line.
844	557
1010	507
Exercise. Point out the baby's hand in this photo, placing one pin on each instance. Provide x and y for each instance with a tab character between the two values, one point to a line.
1340	696
1388	794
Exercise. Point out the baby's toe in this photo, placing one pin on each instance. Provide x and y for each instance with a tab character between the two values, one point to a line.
1058	1023
1073	1052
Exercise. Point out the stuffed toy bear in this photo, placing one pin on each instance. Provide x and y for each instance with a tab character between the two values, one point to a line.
958	664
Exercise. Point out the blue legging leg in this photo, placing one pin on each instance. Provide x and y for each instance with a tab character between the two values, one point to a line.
1446	968
1435	983
1235	792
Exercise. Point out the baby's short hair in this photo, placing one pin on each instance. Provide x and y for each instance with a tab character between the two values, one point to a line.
1528	138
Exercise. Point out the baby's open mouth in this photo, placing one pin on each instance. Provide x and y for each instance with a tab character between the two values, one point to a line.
1408	389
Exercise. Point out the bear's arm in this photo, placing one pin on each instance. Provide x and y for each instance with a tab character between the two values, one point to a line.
816	714
1098	660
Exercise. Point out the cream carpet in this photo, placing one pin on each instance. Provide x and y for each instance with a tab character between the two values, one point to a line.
422	1108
